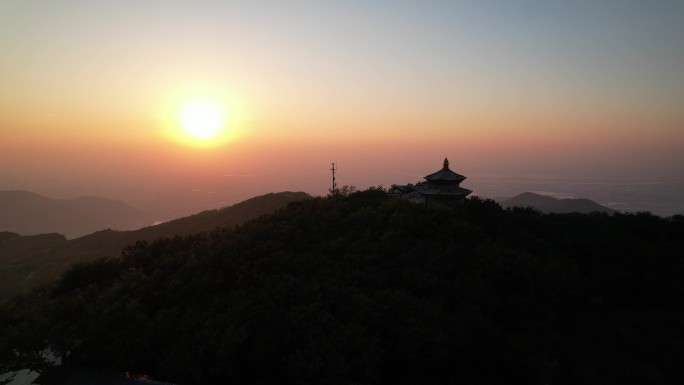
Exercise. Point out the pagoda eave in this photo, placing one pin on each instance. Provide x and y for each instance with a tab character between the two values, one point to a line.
445	192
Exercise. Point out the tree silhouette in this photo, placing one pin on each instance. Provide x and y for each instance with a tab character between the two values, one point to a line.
369	289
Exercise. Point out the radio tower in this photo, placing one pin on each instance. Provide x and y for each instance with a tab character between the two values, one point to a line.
334	185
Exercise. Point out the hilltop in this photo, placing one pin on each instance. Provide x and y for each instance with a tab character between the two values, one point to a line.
28	261
369	289
548	204
28	213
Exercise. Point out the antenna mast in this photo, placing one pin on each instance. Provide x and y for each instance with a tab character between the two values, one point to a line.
334	185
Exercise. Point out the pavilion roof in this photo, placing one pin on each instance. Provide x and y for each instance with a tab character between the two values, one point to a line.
453	191
445	174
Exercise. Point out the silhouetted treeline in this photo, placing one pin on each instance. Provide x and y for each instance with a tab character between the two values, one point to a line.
30	261
368	289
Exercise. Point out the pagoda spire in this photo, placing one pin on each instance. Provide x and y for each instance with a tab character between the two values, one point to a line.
446	163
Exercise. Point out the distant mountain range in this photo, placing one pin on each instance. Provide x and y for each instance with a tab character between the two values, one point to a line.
28	261
28	213
547	204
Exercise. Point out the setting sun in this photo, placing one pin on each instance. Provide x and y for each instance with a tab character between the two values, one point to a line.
202	120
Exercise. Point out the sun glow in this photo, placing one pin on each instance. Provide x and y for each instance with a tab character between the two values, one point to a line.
202	120
201	116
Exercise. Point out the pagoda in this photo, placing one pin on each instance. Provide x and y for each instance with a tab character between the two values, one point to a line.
443	186
439	188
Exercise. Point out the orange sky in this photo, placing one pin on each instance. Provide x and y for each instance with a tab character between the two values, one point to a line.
90	93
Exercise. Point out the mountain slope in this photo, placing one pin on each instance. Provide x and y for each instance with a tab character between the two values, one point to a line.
27	261
547	204
28	213
367	289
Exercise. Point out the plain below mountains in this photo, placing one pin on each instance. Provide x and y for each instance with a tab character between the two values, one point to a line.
29	261
548	204
28	213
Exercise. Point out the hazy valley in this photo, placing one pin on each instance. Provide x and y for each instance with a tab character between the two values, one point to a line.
28	213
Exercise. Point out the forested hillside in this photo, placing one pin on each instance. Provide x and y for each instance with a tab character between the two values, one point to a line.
367	289
29	261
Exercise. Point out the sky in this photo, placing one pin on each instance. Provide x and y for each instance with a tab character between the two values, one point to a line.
91	93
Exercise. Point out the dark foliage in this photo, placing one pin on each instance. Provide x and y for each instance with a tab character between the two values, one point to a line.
30	261
365	289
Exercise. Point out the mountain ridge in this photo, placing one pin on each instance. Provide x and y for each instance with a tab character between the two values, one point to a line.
29	213
549	204
27	261
373	289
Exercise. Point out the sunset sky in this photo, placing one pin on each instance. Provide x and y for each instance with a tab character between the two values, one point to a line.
92	93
